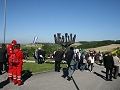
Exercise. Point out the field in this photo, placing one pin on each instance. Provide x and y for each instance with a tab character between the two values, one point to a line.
76	44
105	48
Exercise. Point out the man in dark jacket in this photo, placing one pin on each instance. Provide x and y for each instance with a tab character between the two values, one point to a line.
109	65
3	58
58	58
71	62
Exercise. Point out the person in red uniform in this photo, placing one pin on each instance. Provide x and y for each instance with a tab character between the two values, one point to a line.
17	68
10	48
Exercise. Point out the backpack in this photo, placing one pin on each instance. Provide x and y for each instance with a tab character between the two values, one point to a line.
13	59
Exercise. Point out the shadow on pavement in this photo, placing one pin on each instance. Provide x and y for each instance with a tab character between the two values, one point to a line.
103	71
100	75
3	83
26	74
75	84
65	72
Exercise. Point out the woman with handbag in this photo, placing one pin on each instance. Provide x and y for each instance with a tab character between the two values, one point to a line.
90	62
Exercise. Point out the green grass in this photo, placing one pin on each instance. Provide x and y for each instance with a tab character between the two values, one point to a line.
35	68
31	58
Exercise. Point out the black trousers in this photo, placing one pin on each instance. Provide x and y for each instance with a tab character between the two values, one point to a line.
116	71
40	60
57	65
109	73
1	67
91	66
5	66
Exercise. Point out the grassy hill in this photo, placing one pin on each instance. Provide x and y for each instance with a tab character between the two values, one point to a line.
105	48
76	44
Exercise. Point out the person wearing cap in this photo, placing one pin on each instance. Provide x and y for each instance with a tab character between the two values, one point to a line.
40	56
10	49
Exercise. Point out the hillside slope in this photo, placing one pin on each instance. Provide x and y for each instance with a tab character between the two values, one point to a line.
105	48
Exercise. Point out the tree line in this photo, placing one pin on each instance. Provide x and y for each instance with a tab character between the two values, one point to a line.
49	48
94	44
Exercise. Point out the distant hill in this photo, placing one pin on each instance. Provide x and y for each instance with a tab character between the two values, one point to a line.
76	44
105	48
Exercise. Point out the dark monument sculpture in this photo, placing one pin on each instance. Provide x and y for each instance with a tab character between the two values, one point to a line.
64	41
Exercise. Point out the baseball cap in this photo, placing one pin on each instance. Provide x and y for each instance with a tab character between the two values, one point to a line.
14	41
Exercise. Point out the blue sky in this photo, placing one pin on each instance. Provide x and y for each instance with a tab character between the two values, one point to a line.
90	20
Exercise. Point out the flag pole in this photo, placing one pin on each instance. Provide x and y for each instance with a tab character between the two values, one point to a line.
4	19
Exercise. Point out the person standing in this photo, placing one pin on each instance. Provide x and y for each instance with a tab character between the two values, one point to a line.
58	58
83	62
17	68
36	55
116	65
40	56
109	65
77	60
10	49
71	62
2	58
91	58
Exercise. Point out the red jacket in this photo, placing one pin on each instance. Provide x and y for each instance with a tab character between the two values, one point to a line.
20	55
10	49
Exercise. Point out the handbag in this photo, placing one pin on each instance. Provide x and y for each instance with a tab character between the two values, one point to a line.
89	62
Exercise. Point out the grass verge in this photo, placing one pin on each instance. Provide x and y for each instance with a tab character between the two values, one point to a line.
38	68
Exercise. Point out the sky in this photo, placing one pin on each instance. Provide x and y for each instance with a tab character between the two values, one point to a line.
89	20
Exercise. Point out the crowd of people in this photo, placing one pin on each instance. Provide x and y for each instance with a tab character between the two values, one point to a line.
76	59
84	60
11	60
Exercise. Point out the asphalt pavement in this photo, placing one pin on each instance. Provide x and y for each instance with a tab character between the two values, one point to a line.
56	81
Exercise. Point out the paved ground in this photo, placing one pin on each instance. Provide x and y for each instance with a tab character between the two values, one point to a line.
54	81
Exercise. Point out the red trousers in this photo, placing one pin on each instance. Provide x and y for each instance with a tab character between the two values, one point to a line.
17	72
10	72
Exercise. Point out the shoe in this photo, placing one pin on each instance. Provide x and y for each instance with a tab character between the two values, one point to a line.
107	79
19	82
15	81
110	80
0	73
115	77
82	70
69	79
10	80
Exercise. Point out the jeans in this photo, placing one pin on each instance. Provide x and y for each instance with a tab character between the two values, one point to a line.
71	70
82	67
36	60
76	65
